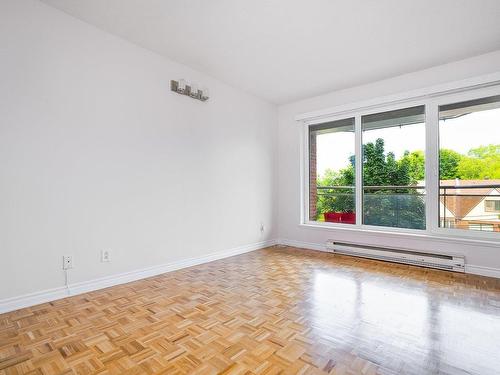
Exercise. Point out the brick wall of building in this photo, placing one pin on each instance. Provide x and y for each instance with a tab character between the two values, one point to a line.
312	177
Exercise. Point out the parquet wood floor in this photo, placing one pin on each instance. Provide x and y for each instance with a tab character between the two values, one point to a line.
272	311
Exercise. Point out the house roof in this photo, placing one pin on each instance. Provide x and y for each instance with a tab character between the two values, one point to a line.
460	199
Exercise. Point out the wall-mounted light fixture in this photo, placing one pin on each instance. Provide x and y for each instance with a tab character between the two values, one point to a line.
192	90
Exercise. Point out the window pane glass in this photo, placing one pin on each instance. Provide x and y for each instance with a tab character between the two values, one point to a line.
394	168
469	165
331	172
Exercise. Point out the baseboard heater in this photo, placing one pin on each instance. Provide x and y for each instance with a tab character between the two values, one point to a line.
443	262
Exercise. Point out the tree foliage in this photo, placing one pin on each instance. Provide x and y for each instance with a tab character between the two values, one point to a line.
448	164
343	200
393	207
480	163
416	165
403	207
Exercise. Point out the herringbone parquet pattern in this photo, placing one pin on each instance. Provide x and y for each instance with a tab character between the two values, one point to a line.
273	311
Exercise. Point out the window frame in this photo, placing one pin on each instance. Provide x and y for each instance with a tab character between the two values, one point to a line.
495	203
362	187
431	102
308	161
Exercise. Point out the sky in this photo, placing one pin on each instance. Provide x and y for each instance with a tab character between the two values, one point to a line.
460	134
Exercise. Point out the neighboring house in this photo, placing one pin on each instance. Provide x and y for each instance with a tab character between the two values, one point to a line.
470	204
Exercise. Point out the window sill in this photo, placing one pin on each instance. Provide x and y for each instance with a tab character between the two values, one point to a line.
425	235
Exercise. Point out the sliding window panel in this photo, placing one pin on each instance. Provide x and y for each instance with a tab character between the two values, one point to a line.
469	165
394	168
332	176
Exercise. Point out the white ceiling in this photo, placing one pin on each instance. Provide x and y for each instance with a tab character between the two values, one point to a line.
283	50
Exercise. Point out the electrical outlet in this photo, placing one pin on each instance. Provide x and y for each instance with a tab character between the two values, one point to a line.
105	256
67	262
262	227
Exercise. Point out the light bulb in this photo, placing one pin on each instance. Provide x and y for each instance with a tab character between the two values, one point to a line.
194	89
181	85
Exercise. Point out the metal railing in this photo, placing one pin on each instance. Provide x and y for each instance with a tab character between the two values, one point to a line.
471	214
404	205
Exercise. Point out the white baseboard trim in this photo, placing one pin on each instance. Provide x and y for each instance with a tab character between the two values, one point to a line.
469	268
32	299
303	245
482	271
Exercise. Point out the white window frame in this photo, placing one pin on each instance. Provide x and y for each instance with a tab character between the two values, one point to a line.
431	98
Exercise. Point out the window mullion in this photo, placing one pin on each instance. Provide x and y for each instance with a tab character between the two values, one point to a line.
432	165
359	169
305	168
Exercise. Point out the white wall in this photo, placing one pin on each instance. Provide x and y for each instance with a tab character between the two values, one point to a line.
97	153
482	258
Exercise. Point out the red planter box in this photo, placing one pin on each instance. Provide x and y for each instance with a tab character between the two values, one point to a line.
348	218
333	217
340	217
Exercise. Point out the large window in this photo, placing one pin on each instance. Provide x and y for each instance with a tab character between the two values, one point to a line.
332	172
469	165
431	166
394	168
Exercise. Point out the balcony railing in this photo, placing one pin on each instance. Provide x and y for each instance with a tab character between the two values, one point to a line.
461	206
470	207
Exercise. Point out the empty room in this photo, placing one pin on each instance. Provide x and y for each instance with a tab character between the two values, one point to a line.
254	187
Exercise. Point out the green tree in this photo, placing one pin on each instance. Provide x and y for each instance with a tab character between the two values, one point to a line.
339	199
415	162
403	207
480	163
448	164
375	170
